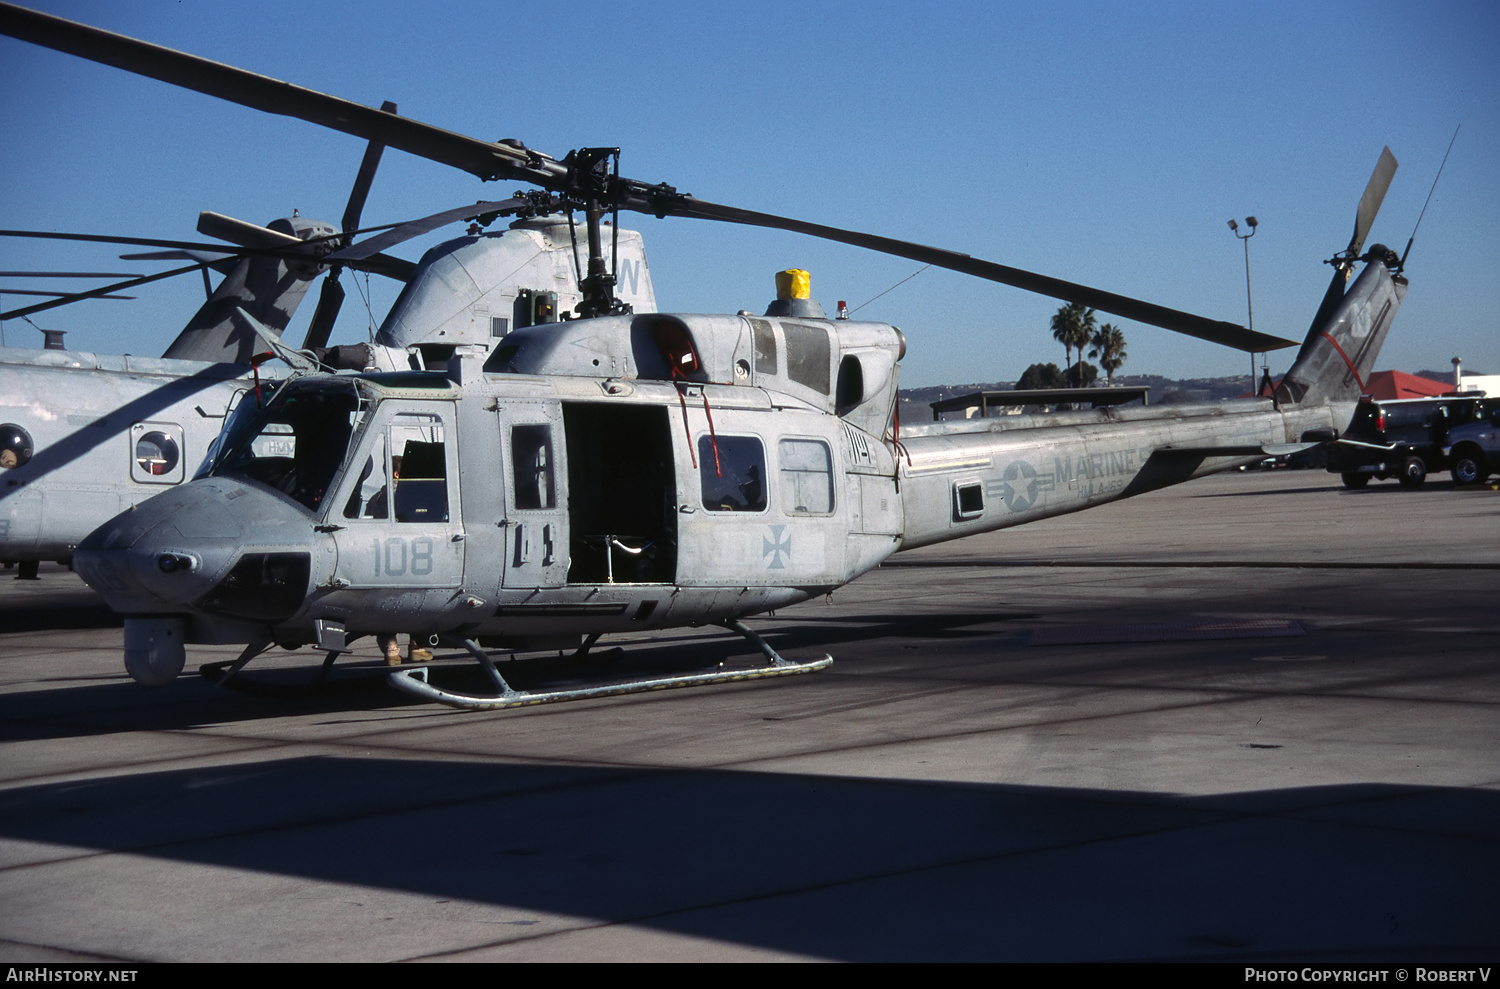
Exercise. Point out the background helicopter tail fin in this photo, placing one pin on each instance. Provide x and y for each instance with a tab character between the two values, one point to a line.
269	288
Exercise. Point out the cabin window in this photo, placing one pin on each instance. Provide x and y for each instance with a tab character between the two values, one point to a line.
419	469
733	472
15	446
806	477
157	454
807	353
531	465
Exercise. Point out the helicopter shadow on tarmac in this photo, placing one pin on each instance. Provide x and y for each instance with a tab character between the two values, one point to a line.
831	867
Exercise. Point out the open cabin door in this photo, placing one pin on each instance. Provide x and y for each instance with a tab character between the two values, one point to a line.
622	494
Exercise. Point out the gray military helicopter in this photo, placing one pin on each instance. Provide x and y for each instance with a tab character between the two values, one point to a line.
625	471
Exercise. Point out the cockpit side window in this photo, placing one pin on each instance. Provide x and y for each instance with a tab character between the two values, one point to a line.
370	495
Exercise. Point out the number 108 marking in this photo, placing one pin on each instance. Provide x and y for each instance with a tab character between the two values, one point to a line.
393	556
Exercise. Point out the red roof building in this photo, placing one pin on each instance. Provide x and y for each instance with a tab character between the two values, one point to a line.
1399	384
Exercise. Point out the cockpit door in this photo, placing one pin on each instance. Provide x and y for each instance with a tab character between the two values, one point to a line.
397	509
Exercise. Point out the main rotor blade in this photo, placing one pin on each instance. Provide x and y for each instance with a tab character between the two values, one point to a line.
1369	203
415	228
485	159
363	179
1228	334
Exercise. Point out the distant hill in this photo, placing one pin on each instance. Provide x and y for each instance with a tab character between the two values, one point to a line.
1164	391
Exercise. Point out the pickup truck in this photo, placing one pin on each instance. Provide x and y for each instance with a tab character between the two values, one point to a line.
1473	449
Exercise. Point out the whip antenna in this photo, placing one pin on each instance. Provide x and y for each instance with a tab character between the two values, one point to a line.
1402	265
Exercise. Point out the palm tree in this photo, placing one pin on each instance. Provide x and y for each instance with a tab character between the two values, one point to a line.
1109	346
1073	326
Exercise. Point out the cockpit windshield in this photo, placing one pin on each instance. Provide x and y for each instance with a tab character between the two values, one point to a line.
295	443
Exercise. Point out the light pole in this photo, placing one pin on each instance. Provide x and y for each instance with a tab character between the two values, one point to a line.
1234	228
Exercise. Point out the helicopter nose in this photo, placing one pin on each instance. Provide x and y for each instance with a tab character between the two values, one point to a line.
184	550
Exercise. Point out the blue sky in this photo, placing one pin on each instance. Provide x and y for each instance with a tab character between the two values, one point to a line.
1105	143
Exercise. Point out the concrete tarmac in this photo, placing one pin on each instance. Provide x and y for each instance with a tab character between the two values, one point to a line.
1255	717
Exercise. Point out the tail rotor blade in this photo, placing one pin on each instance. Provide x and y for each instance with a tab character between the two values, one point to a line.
1369	203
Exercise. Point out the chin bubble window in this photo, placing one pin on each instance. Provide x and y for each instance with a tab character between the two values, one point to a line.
15	446
156	453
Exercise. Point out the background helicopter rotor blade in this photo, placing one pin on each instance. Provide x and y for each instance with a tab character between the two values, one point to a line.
415	228
176	245
363	179
97	292
331	296
242	232
330	300
63	274
493	160
68	274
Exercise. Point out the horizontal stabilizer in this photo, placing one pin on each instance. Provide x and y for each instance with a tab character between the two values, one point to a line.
1383	447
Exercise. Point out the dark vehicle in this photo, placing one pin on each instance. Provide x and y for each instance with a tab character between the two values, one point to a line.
1401	438
1474	449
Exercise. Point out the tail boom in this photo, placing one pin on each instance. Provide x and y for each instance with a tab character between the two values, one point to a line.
964	478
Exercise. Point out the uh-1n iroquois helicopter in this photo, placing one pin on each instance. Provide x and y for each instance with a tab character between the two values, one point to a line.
624	472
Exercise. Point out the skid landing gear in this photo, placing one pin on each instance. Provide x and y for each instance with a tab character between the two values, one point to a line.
414	681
